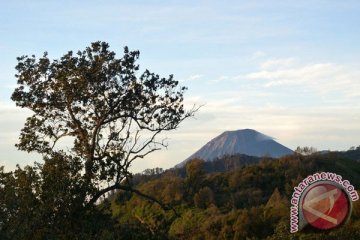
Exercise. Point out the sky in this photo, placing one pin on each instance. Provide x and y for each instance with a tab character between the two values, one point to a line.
289	69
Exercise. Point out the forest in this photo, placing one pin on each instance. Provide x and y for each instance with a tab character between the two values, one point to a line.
248	202
198	201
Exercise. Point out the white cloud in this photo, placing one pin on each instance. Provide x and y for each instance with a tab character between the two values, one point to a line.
194	77
228	78
322	78
222	78
297	75
277	63
11	121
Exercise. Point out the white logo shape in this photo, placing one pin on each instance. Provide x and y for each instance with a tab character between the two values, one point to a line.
327	195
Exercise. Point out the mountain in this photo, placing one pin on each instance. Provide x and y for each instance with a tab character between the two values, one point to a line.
245	141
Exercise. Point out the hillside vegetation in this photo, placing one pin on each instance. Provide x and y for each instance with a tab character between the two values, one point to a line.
248	202
236	197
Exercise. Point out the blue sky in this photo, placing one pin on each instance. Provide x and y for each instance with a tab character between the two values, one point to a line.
289	69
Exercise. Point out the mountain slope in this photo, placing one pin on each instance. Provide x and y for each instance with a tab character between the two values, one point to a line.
232	201
246	141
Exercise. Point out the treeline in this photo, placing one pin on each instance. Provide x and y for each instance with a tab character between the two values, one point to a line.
223	164
250	202
245	200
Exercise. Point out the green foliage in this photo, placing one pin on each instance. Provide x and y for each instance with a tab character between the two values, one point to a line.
194	177
188	225
18	201
251	202
204	198
42	202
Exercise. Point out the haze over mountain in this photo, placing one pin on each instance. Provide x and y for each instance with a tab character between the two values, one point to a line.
245	141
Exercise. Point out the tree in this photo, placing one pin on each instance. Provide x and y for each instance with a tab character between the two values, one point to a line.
194	176
45	202
18	199
306	151
204	198
98	102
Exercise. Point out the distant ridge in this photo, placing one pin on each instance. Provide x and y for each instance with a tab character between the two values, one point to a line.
244	141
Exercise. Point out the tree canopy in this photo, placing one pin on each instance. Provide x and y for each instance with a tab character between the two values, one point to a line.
250	201
111	113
